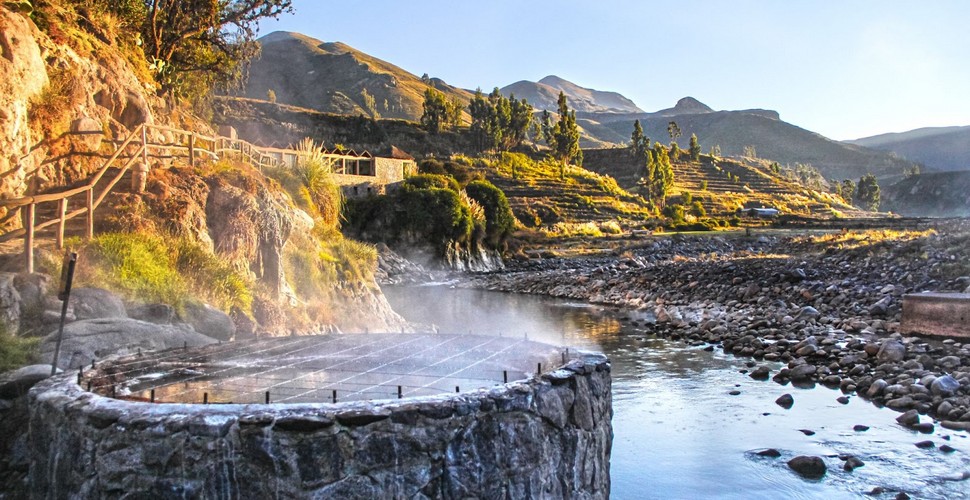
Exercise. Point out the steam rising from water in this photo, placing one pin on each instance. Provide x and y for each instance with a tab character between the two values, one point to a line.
499	314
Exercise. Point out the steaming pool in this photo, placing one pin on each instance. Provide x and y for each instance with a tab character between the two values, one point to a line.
678	433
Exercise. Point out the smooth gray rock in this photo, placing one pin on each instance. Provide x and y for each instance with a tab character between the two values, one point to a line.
807	313
93	339
91	303
891	351
909	419
803	373
808	467
209	321
786	401
17	382
944	386
160	314
9	304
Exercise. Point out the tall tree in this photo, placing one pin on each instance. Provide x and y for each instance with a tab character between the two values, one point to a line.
848	191
545	127
639	143
662	176
694	149
435	111
673	130
867	193
208	41
565	138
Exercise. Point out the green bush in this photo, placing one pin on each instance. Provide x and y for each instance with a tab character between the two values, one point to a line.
430	181
499	220
675	212
697	209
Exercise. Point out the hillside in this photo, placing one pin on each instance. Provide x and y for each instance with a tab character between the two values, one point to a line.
544	94
725	184
938	148
935	194
772	139
331	77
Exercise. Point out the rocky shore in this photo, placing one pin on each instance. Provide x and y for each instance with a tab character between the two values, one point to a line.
827	305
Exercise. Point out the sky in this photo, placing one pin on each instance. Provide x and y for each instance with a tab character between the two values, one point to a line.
843	68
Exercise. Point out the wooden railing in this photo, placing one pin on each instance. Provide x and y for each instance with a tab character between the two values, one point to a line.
137	146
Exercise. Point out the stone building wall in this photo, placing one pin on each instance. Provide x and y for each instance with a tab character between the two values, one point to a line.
538	438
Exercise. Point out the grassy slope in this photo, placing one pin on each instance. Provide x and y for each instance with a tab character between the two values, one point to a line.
329	77
756	183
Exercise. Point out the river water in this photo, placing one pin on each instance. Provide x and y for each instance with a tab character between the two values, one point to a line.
680	434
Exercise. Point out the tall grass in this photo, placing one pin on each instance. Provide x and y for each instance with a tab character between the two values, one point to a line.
152	268
314	170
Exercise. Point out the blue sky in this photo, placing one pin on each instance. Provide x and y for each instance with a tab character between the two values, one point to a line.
845	69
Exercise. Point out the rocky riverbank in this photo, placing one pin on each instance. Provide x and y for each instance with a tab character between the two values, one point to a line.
828	305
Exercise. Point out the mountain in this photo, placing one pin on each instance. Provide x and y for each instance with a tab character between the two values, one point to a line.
332	77
939	148
544	94
935	194
771	138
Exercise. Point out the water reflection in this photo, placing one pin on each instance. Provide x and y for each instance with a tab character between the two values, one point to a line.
679	433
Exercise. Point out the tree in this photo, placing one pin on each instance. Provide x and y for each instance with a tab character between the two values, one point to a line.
848	190
639	144
661	176
499	122
453	112
545	127
565	138
435	111
271	95
750	151
867	193
694	149
673	130
202	42
370	104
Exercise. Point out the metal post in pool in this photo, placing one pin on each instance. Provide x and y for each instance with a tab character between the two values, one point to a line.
67	279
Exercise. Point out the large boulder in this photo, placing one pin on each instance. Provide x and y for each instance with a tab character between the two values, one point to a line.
22	77
9	305
808	467
892	351
94	339
209	321
16	383
91	303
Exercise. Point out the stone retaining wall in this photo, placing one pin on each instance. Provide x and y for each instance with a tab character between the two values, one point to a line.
548	437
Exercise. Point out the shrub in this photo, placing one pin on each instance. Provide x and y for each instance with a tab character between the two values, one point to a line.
675	212
319	188
154	269
431	181
697	209
16	351
611	227
499	220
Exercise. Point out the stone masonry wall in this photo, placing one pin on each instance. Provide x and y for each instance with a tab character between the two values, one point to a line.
538	438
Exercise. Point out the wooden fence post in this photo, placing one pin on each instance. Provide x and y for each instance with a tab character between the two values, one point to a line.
61	213
89	227
29	237
144	144
191	150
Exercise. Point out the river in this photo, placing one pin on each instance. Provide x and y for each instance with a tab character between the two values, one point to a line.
679	433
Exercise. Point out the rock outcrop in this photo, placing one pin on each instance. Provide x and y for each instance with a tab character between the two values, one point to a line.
23	75
94	339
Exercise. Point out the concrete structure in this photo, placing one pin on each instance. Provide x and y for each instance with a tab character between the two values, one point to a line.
545	436
941	314
359	174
